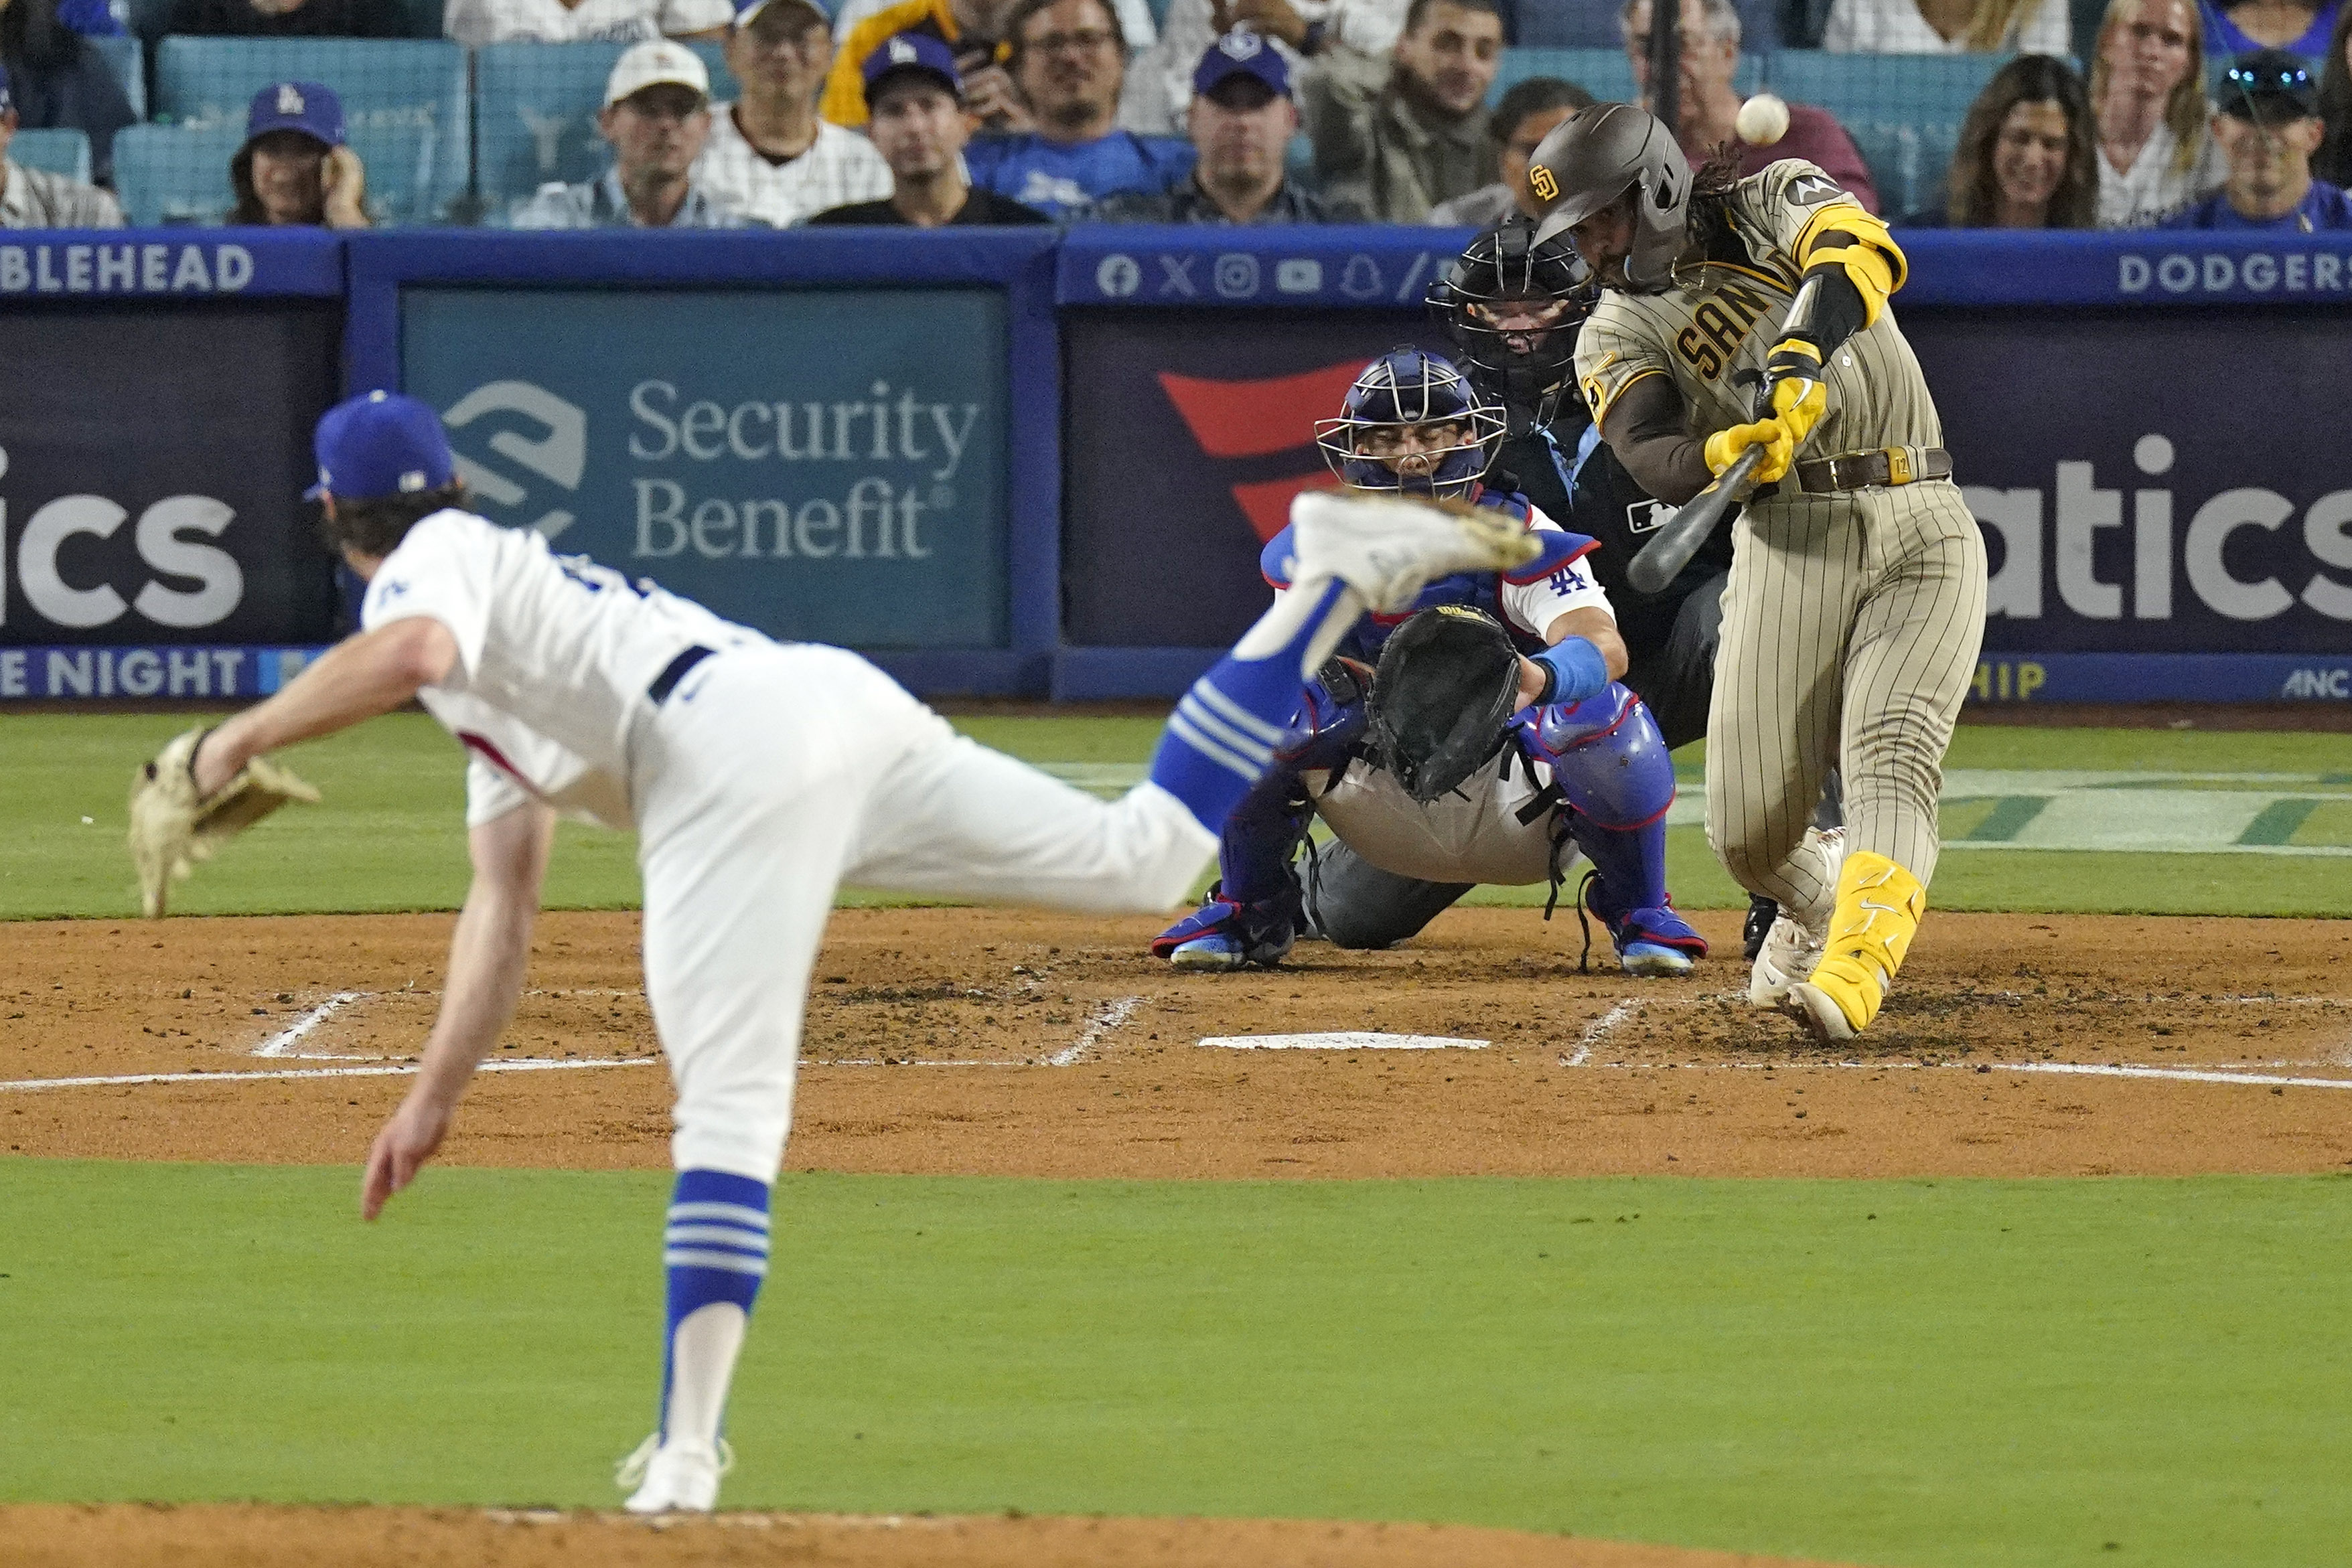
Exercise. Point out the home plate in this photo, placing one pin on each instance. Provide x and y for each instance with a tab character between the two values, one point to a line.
1353	1039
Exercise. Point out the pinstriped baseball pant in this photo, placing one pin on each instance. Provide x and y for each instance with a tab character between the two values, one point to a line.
1851	629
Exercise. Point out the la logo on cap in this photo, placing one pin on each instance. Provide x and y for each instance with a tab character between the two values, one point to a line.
1240	45
289	99
901	52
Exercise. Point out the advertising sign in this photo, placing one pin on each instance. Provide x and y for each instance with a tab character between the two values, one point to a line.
1186	436
823	464
152	467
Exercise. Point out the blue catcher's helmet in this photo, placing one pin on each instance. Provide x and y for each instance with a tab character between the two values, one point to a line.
1414	424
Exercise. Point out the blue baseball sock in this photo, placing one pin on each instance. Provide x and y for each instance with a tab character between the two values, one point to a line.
715	1249
1221	739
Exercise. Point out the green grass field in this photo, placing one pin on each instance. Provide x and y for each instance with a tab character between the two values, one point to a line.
392	837
1913	1373
1909	1375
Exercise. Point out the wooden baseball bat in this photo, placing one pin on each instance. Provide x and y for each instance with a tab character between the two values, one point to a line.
1662	559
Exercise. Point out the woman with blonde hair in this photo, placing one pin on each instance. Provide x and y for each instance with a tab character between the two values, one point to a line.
1946	26
2148	92
2026	157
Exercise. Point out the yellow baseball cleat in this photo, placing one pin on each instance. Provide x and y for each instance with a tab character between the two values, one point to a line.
1879	905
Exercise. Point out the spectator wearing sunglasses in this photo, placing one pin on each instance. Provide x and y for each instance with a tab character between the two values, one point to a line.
2267	121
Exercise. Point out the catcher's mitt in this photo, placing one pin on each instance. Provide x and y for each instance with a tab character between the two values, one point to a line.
1447	680
172	826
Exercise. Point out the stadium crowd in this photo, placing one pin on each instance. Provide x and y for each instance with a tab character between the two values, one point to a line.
929	113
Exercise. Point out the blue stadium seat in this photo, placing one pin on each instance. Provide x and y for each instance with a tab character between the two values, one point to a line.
405	102
1907	163
128	62
535	106
60	151
1593	24
179	174
1604	73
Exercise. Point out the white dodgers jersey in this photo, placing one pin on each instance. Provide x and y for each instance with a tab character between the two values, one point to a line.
554	654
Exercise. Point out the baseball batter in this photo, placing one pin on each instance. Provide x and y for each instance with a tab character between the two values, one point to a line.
759	776
1753	312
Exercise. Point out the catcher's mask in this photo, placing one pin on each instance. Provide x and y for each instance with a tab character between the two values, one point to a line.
1447	682
1412	424
1512	306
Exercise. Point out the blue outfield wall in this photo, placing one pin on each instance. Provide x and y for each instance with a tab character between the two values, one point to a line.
1025	462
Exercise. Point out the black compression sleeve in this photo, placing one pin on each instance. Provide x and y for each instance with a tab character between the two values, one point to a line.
1838	312
1647	429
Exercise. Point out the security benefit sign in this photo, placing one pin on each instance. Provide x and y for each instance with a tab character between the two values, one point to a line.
1187	435
151	469
2173	483
823	465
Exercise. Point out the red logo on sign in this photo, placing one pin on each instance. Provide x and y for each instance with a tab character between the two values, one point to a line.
1257	419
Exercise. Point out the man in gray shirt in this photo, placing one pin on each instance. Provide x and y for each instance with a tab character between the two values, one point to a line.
1241	120
1419	139
657	117
35	199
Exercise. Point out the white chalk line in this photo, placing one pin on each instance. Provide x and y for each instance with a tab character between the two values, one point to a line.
283	1042
396	1069
1598	1030
2078	1069
1099	1022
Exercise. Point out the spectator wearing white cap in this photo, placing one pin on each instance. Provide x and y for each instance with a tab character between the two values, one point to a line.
770	156
919	115
474	23
35	199
1240	118
656	115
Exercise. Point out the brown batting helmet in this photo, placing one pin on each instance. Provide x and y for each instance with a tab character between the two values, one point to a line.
1603	152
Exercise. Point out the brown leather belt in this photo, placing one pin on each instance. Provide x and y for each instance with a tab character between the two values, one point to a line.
1886	466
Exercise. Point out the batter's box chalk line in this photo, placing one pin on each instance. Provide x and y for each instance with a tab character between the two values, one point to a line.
1106	1017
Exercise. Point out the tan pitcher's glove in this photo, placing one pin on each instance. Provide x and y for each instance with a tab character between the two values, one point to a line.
172	826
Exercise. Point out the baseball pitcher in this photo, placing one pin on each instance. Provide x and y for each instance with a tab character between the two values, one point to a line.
1412	765
758	776
1743	313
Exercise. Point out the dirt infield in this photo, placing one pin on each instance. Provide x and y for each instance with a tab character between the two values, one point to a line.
976	1041
235	1536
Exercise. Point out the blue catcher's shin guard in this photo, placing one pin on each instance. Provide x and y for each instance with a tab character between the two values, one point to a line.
1613	766
1224	736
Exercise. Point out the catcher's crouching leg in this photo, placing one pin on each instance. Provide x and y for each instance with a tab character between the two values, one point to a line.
1252	913
1611	762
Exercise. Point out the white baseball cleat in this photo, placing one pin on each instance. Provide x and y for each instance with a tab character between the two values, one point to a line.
674	1478
1793	946
1387	549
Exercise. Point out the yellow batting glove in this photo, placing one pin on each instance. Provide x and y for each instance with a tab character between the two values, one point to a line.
1797	397
1723	447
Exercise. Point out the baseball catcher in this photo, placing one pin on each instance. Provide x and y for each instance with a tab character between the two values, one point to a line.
1750	316
1480	737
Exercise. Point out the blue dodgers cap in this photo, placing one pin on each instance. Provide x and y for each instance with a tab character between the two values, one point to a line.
1242	53
379	444
912	52
309	106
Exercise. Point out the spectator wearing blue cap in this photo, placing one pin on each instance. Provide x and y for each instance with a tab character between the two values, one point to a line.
770	156
59	81
916	114
35	199
656	115
1069	60
2267	120
296	167
1241	120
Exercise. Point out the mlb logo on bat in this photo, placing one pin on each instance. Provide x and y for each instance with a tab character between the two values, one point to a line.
1648	516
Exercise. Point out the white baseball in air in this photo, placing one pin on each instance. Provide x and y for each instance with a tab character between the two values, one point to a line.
1763	119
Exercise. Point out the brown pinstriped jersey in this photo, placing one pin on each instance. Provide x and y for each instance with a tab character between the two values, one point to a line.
1712	337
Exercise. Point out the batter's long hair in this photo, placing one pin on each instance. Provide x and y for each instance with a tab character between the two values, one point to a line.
2184	108
1975	189
2333	163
